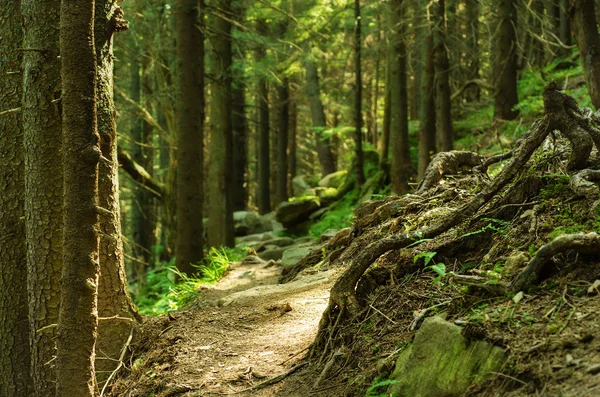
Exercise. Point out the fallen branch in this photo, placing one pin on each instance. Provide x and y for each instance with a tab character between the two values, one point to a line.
582	243
140	175
271	381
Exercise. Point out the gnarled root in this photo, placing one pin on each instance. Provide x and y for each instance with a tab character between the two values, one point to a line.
582	243
445	163
582	183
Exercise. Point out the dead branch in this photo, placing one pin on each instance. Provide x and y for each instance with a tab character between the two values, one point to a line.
582	243
140	175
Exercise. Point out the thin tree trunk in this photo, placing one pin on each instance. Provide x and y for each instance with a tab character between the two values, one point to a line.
505	62
387	112
78	317
443	111
43	183
264	163
293	140
401	167
113	292
427	130
324	150
190	134
375	108
358	119
283	93
14	328
473	11
585	30
220	216
564	27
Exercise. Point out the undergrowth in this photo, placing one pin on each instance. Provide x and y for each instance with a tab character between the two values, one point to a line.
167	289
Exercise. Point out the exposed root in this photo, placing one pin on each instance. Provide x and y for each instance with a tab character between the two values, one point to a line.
582	243
582	183
445	163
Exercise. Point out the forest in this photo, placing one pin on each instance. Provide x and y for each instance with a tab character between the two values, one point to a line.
290	198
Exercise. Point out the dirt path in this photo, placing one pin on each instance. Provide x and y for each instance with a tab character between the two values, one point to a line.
244	331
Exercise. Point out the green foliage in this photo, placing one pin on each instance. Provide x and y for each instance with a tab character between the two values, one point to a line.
338	216
379	387
439	268
163	294
496	225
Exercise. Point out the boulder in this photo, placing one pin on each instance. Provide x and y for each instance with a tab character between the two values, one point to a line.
333	180
246	222
278	242
254	238
274	253
294	212
291	256
516	262
442	362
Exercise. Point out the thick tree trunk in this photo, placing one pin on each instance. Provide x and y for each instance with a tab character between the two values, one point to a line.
264	163
401	167
43	183
220	216
190	134
585	30
358	119
324	150
14	328
505	61
78	317
472	8
283	93
387	112
113	293
564	27
427	129
292	141
443	110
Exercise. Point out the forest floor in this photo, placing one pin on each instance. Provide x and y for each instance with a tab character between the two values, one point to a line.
241	333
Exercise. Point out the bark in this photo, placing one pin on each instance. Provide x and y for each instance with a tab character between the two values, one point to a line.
585	30
14	328
447	163
443	111
141	176
113	292
358	119
401	167
190	135
78	316
43	183
220	216
505	62
264	163
293	143
472	8
387	113
324	149
375	109
427	128
283	93
564	27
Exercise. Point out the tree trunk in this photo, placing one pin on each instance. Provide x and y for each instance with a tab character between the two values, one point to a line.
220	216
326	159
564	27
78	317
387	112
264	163
113	292
358	119
283	93
585	30
293	140
43	183
427	116
443	111
505	62
190	134
473	12
401	167
14	329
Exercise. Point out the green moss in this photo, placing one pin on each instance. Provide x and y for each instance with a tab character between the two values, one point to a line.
338	216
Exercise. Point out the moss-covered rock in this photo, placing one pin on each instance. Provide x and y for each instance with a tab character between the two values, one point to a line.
334	180
442	362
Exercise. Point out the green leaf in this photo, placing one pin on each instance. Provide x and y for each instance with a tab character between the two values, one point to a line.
427	256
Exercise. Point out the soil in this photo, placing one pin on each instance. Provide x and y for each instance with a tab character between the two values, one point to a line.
231	339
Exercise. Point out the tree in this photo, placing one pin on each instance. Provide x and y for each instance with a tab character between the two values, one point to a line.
358	120
43	183
78	316
14	328
264	164
505	62
189	83
401	168
443	111
585	30
283	92
220	216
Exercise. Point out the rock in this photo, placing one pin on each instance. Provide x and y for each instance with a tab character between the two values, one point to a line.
294	212
334	180
516	261
254	238
304	240
441	362
327	235
277	242
317	214
291	256
246	222
300	186
272	254
593	369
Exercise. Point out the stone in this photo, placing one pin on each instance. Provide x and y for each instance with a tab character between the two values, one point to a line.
278	242
300	186
291	256
318	214
334	180
254	238
274	254
327	235
441	362
246	222
295	212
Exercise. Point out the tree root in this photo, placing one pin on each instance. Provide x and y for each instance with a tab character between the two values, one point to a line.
445	163
582	243
582	183
558	115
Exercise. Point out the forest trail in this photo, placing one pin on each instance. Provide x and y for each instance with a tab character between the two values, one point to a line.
244	331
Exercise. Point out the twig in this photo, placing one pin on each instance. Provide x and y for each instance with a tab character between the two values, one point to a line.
296	354
270	381
9	111
380	312
422	314
509	377
121	357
